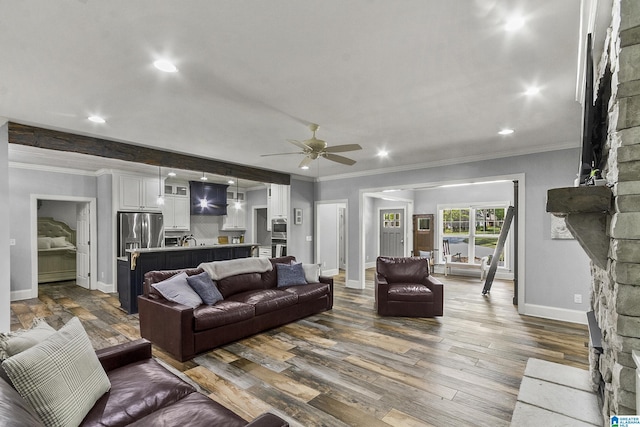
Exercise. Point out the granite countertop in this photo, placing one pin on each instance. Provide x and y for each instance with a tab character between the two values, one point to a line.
192	248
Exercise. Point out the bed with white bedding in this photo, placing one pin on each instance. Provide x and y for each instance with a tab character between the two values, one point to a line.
56	251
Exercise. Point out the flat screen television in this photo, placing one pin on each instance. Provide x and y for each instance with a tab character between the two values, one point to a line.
595	120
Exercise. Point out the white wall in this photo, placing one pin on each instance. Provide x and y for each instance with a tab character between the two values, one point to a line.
22	184
5	267
59	210
553	270
297	244
106	230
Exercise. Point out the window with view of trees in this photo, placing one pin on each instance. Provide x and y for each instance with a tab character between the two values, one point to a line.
470	233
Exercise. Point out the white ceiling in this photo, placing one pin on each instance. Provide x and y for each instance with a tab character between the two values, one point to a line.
430	81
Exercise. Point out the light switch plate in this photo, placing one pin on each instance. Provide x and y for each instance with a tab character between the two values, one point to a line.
12	242
309	238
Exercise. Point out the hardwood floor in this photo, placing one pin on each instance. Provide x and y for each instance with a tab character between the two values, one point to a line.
350	367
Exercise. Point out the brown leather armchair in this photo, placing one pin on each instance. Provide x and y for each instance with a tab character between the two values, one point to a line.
405	288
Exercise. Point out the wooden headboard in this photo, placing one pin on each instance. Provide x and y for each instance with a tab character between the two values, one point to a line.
49	227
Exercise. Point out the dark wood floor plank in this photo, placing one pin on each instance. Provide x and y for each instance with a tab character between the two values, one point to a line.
349	366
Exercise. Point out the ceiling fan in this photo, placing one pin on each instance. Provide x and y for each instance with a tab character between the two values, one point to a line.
313	148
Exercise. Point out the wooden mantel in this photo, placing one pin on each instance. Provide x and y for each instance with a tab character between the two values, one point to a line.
586	211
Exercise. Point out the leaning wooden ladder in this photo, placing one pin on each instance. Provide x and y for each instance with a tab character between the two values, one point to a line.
498	250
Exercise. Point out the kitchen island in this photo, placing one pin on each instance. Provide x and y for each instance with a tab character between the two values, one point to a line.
131	269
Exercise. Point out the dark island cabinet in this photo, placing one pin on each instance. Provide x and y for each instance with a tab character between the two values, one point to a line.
130	281
242	252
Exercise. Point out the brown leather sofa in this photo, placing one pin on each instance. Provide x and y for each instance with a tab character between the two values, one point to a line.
142	393
404	287
252	303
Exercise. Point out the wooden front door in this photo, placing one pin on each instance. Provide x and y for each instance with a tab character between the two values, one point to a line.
423	233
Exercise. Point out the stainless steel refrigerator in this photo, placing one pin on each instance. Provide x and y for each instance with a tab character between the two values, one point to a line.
139	230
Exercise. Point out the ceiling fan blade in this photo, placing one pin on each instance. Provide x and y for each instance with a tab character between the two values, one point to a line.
305	162
299	144
343	148
339	159
281	154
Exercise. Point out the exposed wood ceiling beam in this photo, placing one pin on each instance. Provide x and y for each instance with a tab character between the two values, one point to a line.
63	141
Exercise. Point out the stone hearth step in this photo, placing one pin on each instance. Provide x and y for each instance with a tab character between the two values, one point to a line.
554	395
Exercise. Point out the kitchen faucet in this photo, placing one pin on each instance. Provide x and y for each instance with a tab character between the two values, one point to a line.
186	238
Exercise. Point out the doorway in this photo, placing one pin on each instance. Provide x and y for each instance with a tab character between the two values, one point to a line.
79	214
331	231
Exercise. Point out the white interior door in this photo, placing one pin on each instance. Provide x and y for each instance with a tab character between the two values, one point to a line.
83	242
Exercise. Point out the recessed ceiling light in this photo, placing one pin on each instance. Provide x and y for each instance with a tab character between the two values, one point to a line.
165	65
514	23
231	181
506	132
96	119
304	167
533	90
203	178
171	174
383	153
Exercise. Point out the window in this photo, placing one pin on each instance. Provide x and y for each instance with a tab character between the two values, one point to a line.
469	233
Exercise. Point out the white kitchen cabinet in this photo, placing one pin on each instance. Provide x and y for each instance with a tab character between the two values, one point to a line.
236	217
277	201
176	189
177	213
138	193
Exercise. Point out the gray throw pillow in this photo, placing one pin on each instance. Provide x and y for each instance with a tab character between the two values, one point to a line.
12	343
61	377
290	274
205	288
177	289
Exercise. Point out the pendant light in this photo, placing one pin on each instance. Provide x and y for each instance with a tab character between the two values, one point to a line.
237	205
160	196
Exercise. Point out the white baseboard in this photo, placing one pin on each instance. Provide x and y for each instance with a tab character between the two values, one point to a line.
108	288
354	284
332	272
555	313
20	295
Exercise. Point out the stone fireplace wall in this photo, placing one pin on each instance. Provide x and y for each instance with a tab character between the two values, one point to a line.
615	296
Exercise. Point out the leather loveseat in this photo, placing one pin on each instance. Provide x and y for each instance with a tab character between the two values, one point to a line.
143	393
252	303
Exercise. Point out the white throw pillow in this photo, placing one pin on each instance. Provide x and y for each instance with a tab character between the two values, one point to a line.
61	377
60	242
311	272
177	289
12	343
44	242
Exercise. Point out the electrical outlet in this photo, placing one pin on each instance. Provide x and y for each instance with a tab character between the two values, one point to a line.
577	298
309	238
12	242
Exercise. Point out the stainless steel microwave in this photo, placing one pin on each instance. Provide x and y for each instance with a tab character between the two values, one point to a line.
278	228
